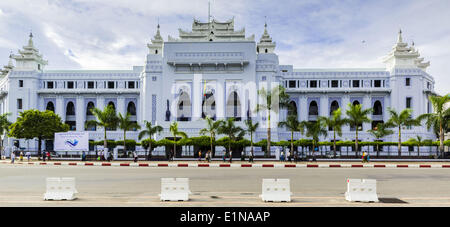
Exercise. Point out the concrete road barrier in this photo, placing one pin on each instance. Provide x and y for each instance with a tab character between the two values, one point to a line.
276	190
60	189
174	189
361	190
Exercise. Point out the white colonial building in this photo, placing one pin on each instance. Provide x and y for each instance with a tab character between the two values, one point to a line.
215	70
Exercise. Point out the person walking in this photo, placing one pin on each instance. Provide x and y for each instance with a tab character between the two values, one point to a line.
44	155
282	157
21	156
250	158
48	155
13	157
224	158
199	155
231	156
289	156
83	156
28	154
242	156
135	156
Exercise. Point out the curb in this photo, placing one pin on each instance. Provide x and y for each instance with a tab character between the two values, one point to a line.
217	165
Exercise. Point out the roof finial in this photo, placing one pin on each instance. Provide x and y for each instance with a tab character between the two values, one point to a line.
30	41
400	39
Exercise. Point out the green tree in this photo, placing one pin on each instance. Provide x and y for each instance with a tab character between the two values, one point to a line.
126	124
175	132
399	120
150	130
379	132
4	127
293	125
231	130
335	122
356	117
440	119
272	101
105	119
315	129
36	124
211	129
251	129
419	142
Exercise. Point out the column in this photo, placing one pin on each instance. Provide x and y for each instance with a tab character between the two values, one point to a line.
80	111
59	108
344	107
367	104
303	108
324	106
196	97
121	106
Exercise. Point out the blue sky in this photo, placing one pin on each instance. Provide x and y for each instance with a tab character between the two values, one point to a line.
112	34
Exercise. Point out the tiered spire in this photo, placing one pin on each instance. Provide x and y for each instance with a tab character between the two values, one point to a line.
29	58
402	56
266	45
7	68
157	42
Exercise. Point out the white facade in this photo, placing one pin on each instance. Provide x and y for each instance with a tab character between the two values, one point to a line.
214	70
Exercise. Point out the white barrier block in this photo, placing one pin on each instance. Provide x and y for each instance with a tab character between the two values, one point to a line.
174	189
276	190
361	190
60	189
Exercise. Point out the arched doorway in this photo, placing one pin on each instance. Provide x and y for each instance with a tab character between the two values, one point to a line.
184	112
131	108
313	109
377	108
292	111
90	116
234	106
334	106
209	106
70	116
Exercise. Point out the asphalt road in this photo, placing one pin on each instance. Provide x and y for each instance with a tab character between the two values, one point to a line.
128	186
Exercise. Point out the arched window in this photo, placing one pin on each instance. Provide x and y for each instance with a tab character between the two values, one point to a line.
313	109
292	109
156	51
209	106
70	109
112	104
334	106
356	102
131	108
89	107
50	106
377	108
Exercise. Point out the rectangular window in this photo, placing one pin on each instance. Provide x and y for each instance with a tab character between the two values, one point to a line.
408	102
428	85
111	84
377	83
356	83
264	78
335	83
131	85
70	85
154	78
50	85
313	83
91	85
20	83
19	104
292	83
408	82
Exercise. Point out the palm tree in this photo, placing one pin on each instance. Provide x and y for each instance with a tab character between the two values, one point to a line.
293	125
211	129
419	141
105	119
4	127
379	132
251	128
439	119
315	129
175	132
357	116
150	130
273	100
231	130
127	125
399	120
335	122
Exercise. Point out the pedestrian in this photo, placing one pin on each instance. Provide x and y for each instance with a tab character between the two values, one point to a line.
48	155
289	156
242	156
250	159
199	155
208	156
13	157
231	156
224	158
44	155
83	156
28	154
135	156
314	153
282	156
21	156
